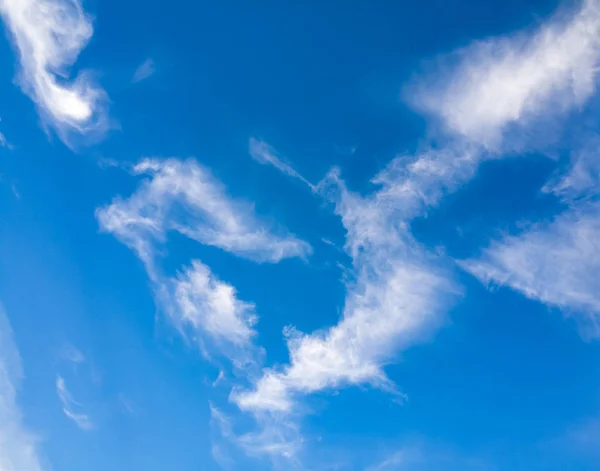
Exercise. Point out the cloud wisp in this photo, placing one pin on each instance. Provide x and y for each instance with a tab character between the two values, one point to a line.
18	447
264	154
582	177
72	408
488	88
48	35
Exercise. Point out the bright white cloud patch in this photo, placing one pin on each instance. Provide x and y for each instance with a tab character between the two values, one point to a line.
556	263
183	196
72	408
48	36
399	295
479	91
145	70
18	447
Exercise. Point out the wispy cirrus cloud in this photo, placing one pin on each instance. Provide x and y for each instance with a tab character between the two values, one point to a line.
185	197
18	446
72	409
493	85
144	71
48	35
557	263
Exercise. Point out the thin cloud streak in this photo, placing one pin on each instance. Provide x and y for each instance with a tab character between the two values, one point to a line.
71	408
48	36
264	154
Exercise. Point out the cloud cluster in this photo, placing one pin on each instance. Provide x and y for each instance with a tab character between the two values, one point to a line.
48	36
185	197
18	447
484	92
400	291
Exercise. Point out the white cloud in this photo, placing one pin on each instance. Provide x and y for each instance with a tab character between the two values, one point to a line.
264	154
479	91
145	70
18	447
72	408
400	295
184	196
557	263
49	35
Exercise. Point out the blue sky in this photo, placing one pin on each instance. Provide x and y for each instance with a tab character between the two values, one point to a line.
312	236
